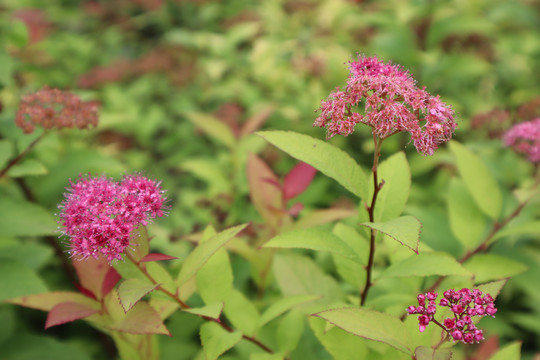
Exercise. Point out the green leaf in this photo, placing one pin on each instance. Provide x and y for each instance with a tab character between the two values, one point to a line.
341	344
467	221
18	280
427	353
132	290
478	179
27	167
405	230
6	68
351	237
435	263
313	239
299	275
486	267
200	255
391	200
242	313
493	288
22	218
25	347
209	171
212	311
213	128
266	356
281	306
529	228
351	271
160	274
509	352
32	254
328	159
320	217
6	151
216	340
289	331
371	325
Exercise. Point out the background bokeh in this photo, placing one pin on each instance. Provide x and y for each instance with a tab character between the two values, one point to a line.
182	85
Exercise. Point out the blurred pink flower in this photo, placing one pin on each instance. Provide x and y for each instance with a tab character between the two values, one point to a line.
525	138
99	214
391	103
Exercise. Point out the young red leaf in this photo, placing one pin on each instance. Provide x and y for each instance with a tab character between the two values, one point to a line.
298	179
266	197
111	279
92	273
68	311
157	257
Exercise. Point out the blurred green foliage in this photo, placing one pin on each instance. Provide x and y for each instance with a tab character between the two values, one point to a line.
182	86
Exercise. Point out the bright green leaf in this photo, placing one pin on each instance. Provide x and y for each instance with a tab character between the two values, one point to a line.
405	230
22	218
213	127
216	340
532	228
46	301
466	220
341	344
200	255
281	306
289	331
435	263
391	200
242	313
212	311
486	267
299	275
478	179
328	159
18	280
313	239
509	352
493	288
27	167
215	278
132	290
371	325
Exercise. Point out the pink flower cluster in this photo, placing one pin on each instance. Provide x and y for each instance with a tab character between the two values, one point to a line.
55	108
464	304
99	214
391	103
525	138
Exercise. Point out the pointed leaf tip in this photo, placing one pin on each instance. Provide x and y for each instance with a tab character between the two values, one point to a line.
157	257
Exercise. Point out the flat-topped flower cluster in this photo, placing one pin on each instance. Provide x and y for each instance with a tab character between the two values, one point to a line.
465	304
391	102
99	214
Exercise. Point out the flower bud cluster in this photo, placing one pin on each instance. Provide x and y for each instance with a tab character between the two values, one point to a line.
464	304
53	108
525	138
391	102
99	214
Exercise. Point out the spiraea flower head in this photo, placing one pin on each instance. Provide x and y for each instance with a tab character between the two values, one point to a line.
53	108
464	305
524	138
99	214
385	97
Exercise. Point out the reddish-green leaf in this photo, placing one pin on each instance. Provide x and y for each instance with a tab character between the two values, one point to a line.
371	325
47	301
67	312
141	319
157	257
264	190
426	353
92	273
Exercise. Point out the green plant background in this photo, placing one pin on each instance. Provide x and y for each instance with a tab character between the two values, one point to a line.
174	77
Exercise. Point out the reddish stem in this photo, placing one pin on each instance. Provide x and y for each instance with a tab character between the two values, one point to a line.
371	212
183	305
